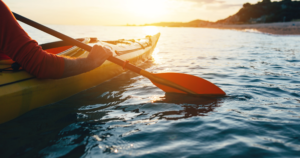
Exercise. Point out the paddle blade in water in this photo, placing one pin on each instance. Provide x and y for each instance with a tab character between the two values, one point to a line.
193	83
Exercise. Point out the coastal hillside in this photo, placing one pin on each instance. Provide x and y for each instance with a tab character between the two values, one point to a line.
265	12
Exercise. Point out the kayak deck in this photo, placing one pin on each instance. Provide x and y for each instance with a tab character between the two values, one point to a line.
20	92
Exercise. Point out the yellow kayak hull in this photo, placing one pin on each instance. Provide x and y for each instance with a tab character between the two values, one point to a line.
20	97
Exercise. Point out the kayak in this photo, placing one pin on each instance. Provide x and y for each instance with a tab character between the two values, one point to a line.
21	92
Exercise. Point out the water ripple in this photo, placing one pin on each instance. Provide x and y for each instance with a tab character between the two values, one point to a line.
129	117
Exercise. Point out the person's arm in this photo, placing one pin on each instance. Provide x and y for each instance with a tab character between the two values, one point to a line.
15	43
80	65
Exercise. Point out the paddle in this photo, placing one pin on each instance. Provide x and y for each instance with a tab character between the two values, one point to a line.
168	82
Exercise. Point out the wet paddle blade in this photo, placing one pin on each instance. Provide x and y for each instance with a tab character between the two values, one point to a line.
194	83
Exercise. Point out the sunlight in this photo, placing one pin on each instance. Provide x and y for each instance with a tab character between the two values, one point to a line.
150	30
155	98
147	8
156	57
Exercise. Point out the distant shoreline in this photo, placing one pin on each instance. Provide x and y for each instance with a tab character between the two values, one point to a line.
278	28
281	28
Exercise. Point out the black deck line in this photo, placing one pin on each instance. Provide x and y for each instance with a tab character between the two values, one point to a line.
6	84
63	43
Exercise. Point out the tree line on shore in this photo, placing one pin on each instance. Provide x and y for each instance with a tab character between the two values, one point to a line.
265	12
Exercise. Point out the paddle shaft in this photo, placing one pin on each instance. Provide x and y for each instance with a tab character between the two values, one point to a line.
73	41
111	58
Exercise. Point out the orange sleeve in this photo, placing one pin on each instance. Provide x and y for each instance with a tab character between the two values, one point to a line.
15	43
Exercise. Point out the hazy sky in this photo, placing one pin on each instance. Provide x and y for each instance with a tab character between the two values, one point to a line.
122	12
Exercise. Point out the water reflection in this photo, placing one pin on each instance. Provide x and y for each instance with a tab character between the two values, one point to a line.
150	30
156	57
192	106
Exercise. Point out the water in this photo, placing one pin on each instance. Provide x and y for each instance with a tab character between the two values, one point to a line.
129	117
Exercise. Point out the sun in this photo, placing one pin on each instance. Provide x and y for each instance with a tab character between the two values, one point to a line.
147	8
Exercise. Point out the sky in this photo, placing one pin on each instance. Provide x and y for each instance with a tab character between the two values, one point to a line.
122	12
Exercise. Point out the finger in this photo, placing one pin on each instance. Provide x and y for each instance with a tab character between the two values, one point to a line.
97	48
110	50
98	51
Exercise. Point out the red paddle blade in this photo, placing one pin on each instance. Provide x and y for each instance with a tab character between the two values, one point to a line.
193	83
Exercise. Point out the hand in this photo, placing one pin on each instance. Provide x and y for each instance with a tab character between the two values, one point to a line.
96	57
98	51
99	54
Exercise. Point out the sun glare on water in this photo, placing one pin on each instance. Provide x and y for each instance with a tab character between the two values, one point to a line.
156	57
150	30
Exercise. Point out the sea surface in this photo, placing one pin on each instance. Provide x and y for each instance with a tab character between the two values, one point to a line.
128	116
